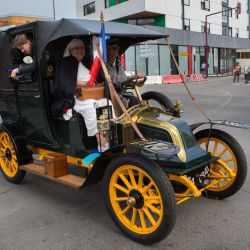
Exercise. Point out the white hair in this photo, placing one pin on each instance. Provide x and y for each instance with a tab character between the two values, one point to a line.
72	44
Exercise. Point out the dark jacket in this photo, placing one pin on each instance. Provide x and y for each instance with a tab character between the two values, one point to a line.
65	85
66	78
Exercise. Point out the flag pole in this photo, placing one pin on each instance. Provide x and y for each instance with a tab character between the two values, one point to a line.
113	92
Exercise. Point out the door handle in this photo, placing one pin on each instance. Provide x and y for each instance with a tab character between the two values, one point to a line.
37	96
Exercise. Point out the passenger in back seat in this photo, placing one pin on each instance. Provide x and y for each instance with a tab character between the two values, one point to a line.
70	74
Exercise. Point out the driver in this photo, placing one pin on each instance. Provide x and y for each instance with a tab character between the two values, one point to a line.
23	43
117	73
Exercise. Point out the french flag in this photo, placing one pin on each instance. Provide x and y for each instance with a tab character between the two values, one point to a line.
97	63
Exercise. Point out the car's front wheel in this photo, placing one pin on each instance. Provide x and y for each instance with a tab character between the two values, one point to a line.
230	169
139	198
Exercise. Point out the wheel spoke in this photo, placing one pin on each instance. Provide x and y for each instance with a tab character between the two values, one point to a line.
133	219
124	190
145	189
125	210
215	148
132	178
153	209
125	181
228	160
142	218
4	144
150	217
140	179
222	152
154	199
14	157
9	166
120	199
14	165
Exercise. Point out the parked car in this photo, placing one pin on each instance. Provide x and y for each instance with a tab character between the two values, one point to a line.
143	180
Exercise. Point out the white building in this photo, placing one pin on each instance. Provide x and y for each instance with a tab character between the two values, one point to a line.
184	21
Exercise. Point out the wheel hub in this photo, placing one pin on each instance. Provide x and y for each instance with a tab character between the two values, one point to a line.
135	199
8	154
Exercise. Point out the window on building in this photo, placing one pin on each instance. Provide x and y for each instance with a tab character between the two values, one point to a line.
186	24
203	27
205	5
89	8
186	2
226	31
236	32
110	3
142	21
225	14
245	55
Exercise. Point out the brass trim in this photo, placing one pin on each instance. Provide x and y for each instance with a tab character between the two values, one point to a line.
171	129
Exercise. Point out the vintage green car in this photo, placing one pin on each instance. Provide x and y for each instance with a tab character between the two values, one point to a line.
143	180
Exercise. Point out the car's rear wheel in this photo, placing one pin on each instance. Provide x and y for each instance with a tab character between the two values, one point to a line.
230	169
8	159
139	198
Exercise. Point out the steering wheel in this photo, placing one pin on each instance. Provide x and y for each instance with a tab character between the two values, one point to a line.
132	81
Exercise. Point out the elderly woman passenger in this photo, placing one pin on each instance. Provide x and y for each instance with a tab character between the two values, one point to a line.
71	74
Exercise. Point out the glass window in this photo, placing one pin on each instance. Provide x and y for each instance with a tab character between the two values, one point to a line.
141	55
89	8
245	55
165	61
236	32
203	27
238	55
130	59
186	24
142	21
153	60
110	3
205	5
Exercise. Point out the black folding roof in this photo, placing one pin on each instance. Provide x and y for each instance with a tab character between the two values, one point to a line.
48	31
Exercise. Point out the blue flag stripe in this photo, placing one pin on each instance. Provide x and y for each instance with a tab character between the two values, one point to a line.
103	40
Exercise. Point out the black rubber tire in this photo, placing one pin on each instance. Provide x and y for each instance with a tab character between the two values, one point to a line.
240	159
162	99
164	186
20	173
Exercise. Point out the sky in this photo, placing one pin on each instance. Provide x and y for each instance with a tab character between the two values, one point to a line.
40	8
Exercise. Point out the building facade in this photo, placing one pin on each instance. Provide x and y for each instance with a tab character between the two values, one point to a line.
184	21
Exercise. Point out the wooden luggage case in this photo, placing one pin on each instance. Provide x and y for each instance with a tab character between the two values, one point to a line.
56	165
85	92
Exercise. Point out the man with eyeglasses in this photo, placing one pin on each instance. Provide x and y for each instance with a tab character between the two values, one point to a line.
118	75
24	44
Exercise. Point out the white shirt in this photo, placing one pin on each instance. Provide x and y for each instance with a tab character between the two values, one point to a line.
83	73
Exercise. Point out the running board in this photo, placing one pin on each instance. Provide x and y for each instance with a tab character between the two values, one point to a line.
70	180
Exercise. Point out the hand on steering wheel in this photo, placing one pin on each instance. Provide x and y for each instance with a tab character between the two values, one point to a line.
140	80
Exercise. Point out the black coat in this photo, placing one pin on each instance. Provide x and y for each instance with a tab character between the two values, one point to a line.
65	85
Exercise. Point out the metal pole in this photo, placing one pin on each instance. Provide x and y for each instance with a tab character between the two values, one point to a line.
206	47
54	10
206	34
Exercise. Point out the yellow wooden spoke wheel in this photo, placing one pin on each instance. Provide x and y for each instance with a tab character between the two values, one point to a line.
231	168
140	198
8	159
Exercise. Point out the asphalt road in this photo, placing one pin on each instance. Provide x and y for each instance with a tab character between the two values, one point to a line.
39	214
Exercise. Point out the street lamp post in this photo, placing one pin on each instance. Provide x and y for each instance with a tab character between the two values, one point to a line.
238	9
